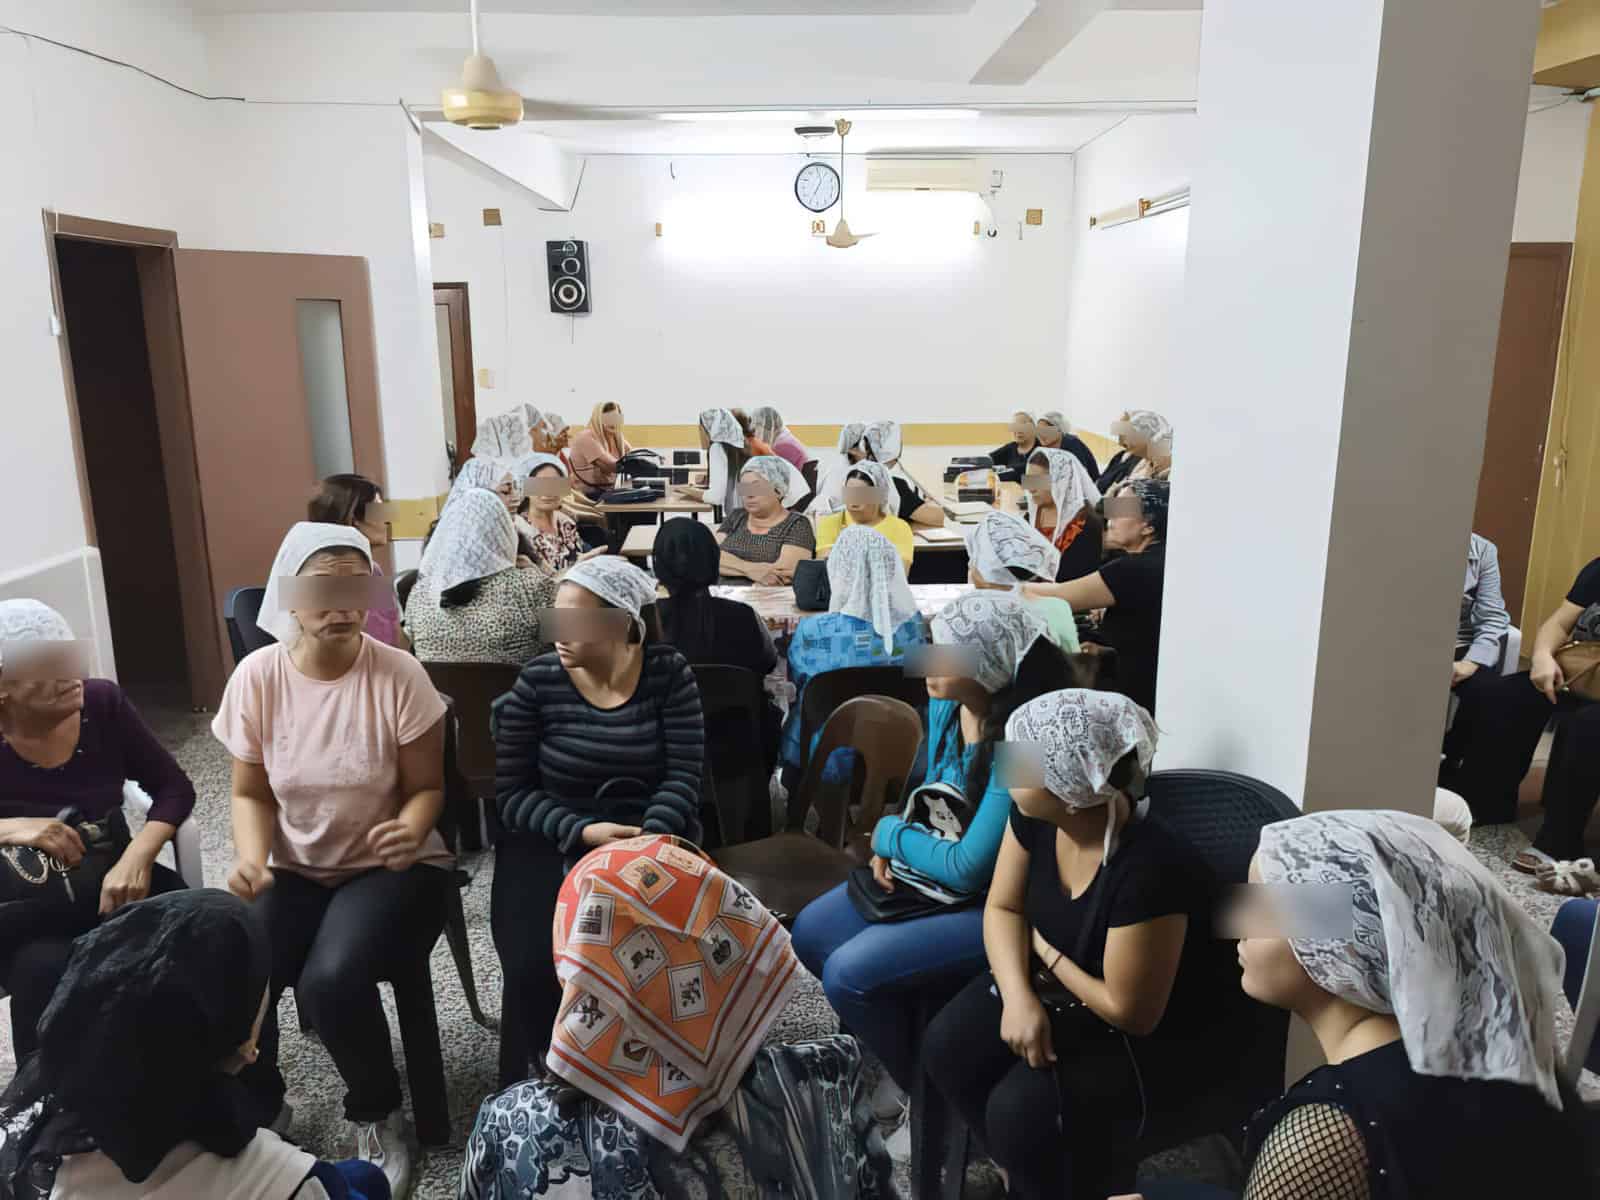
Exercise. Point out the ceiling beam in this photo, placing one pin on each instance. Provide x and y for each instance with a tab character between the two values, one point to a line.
1568	51
1043	34
534	161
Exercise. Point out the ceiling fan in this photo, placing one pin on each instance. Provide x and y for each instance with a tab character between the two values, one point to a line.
480	100
841	238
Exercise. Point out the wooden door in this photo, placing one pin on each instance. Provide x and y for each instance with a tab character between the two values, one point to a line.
453	322
270	341
1519	406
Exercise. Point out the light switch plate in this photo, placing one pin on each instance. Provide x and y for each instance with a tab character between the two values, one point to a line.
1036	216
436	229
485	377
491	216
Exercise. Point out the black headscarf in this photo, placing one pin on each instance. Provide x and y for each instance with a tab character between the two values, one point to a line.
1155	498
687	561
131	1047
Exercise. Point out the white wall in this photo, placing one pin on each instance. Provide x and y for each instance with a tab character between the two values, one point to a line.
738	304
1125	291
1552	169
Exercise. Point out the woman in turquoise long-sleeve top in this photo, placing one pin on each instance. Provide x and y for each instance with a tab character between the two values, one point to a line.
997	656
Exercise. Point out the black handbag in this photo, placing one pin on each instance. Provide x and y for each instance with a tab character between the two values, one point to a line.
903	904
637	463
42	895
812	592
937	808
611	794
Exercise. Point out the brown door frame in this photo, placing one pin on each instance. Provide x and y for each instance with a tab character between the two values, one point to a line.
153	256
454	297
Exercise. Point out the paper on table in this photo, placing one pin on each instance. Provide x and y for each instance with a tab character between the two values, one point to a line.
942	533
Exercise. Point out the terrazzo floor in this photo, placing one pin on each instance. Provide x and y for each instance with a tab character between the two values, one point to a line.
469	1050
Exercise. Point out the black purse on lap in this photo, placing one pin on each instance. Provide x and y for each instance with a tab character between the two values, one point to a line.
41	895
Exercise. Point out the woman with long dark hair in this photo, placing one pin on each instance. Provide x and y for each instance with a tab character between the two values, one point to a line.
347	499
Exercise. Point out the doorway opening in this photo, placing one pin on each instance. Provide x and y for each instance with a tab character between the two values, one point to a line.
452	318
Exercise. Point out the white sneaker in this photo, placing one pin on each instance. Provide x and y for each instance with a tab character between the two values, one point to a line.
888	1101
385	1145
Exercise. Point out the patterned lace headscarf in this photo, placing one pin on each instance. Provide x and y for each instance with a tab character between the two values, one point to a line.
475	539
767	423
1003	540
781	474
1468	974
1084	735
503	436
485	473
1070	486
1000	627
25	620
888	494
304	539
833	469
618	582
867	580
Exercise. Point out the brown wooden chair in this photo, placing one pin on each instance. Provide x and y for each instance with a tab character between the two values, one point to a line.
827	691
474	687
791	869
732	699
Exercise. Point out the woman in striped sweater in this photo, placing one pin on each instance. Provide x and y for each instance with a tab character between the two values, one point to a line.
597	742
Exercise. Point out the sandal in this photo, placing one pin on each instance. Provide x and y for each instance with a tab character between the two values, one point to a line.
1575	878
1531	861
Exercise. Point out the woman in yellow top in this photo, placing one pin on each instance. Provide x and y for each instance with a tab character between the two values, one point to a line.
870	499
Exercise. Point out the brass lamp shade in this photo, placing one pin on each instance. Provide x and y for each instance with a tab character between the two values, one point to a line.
480	101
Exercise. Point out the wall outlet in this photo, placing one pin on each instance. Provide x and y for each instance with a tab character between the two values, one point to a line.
1036	216
485	378
491	216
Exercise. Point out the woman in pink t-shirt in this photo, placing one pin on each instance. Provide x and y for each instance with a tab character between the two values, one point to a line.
338	782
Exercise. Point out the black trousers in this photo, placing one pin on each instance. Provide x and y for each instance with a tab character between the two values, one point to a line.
1490	746
528	873
1051	1129
333	945
30	971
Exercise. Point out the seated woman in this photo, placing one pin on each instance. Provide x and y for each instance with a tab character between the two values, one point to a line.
629	1111
597	450
551	434
338	781
504	435
474	600
72	743
1127	587
753	442
767	424
831	471
134	1091
542	524
1054	432
1093	904
762	540
1498	726
597	741
1061	502
723	441
870	500
491	475
873	973
1010	459
882	440
1436	1019
1133	445
1155	462
872	620
707	629
344	500
1003	550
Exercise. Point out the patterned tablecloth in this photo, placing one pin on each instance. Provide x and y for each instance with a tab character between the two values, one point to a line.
775	605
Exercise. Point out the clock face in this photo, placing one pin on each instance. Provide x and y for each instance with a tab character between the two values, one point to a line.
817	186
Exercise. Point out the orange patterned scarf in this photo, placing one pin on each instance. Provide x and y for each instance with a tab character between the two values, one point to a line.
672	973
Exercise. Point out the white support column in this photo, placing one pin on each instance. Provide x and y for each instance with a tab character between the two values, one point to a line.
1352	212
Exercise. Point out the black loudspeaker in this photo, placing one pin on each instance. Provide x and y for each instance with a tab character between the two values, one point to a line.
569	276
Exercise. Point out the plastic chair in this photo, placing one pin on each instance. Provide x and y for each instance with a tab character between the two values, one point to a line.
791	869
827	691
403	583
239	614
731	699
473	688
1220	815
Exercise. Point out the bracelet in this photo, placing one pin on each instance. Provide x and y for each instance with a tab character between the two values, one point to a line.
1055	962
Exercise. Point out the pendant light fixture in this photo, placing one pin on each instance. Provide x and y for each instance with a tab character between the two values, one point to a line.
480	100
841	238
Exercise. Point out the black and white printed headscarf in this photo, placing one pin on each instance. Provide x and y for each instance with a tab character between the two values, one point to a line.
1468	974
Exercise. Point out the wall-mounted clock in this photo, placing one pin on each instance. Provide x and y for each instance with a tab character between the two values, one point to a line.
817	186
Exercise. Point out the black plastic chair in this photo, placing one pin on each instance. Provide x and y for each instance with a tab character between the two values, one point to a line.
1220	815
403	583
239	614
732	699
827	691
473	688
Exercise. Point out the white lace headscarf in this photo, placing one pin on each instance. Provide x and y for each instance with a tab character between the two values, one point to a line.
475	539
504	435
888	494
867	580
1084	735
767	423
552	423
1000	627
24	620
618	582
1070	486
884	440
722	428
525	466
1155	428
790	485
832	470
1056	419
304	539
1002	540
1468	974
485	473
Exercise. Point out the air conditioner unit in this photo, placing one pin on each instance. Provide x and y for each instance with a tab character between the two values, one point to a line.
923	175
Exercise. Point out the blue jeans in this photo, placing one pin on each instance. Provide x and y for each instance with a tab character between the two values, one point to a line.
874	974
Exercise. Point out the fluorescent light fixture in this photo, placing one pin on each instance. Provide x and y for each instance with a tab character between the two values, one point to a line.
911	114
777	116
